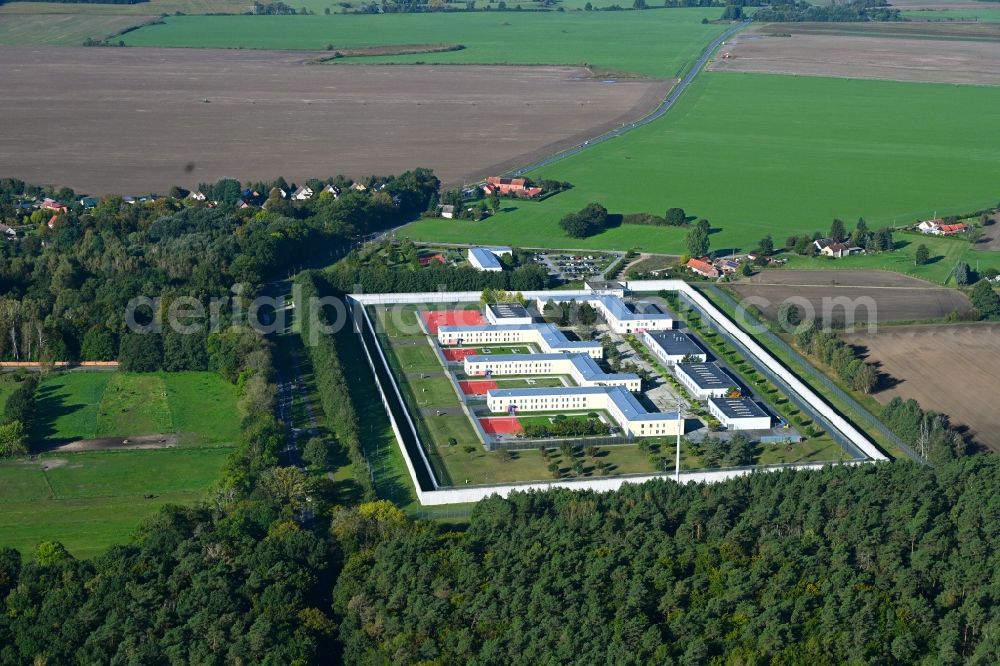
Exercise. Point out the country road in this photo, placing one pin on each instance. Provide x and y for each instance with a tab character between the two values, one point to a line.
659	112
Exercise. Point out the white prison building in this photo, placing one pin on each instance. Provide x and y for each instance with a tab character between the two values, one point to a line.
582	368
619	317
508	314
739	414
704	380
623	407
673	347
547	337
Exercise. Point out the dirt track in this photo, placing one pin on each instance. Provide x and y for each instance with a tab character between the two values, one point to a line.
897	55
93	118
950	369
890	296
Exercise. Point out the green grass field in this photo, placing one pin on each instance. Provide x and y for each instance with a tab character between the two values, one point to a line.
988	14
89	501
652	43
94	499
6	388
759	154
945	254
199	406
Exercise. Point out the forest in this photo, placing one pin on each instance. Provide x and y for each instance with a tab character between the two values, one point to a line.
64	287
889	563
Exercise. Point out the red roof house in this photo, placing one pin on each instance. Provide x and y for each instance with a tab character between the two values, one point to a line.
948	229
49	204
517	187
703	267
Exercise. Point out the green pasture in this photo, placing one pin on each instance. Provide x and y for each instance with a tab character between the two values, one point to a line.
89	501
761	154
987	14
945	253
199	406
653	43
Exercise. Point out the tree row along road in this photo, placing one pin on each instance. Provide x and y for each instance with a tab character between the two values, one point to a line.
667	103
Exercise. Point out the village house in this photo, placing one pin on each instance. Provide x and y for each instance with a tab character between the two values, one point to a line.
333	190
89	202
516	187
703	267
8	232
831	248
303	194
448	211
197	196
941	228
726	266
52	204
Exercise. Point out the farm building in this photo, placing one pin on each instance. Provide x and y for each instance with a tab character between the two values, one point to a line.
703	267
940	228
582	368
739	414
673	347
623	407
508	314
704	380
619	317
547	337
516	187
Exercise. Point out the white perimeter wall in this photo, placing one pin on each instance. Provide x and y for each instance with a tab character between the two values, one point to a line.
460	495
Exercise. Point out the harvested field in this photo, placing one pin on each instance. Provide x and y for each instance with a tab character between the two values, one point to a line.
839	278
62	29
871	296
906	56
951	369
87	118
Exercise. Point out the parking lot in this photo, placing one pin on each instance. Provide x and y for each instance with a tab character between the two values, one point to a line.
574	267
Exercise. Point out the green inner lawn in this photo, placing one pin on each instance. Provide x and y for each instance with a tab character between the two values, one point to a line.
759	154
656	43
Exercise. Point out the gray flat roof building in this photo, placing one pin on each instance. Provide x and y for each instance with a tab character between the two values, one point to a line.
508	310
706	376
739	408
674	343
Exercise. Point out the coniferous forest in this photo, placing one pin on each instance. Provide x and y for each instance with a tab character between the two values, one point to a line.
880	564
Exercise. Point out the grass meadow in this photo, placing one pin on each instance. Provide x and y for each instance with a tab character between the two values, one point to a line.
759	154
90	500
654	43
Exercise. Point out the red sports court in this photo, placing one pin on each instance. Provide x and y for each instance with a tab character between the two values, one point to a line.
477	386
437	318
458	353
501	425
